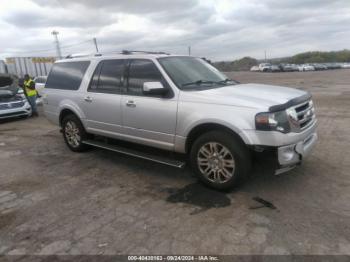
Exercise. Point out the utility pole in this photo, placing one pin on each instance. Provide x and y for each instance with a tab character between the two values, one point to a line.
58	49
95	43
265	57
189	50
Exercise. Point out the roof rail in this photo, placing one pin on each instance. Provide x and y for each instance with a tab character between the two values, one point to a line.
123	52
82	55
129	52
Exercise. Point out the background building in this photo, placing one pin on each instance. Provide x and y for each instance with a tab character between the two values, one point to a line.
34	66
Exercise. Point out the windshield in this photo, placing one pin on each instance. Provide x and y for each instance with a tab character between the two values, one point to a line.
190	73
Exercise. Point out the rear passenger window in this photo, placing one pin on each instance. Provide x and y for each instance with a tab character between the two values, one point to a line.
141	71
67	75
39	80
108	77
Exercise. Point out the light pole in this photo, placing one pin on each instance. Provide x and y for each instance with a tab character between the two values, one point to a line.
58	49
95	43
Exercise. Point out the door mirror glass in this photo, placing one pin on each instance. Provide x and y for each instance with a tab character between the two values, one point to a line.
155	88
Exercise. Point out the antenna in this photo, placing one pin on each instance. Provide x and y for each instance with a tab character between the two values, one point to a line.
95	42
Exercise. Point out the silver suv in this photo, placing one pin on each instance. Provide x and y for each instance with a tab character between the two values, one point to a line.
134	103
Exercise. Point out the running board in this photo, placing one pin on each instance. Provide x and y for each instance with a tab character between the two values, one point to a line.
131	152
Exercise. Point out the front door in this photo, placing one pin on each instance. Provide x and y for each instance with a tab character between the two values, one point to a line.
148	119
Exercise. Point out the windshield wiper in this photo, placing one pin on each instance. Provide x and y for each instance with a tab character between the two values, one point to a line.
198	82
227	80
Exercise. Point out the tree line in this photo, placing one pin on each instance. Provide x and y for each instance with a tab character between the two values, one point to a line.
245	63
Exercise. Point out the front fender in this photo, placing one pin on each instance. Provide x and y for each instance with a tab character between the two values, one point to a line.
237	119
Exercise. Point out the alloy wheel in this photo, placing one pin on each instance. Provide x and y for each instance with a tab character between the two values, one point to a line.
72	134
216	162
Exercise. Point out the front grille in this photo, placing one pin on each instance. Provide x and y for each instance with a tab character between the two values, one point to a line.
17	104
305	114
19	113
4	106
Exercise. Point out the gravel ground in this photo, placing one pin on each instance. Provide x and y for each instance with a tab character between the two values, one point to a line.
53	201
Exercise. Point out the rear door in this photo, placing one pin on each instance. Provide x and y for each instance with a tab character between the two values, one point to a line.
101	104
148	119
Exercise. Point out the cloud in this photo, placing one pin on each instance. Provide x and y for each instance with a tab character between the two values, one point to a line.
124	6
218	29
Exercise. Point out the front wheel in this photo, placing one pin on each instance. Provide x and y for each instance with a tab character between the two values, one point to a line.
74	133
220	160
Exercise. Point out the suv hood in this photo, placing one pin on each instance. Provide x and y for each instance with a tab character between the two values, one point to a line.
8	88
245	95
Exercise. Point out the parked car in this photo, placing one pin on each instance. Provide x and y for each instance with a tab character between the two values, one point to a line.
306	67
178	108
333	66
255	69
13	102
275	68
295	67
40	84
320	67
345	65
288	67
265	67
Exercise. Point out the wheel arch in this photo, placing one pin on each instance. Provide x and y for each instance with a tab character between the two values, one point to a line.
203	128
65	112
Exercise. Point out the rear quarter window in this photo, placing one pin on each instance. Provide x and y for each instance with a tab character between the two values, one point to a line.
67	75
40	80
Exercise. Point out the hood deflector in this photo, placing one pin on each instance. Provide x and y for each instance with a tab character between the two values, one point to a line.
292	102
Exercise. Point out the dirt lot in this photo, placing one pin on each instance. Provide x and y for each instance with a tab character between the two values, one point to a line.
53	201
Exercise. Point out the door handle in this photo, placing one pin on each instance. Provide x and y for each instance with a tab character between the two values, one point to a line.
130	103
88	99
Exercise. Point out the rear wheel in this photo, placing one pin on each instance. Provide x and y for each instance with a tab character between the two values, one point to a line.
220	160
74	133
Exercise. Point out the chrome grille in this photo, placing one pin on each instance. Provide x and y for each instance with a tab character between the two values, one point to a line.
4	106
301	116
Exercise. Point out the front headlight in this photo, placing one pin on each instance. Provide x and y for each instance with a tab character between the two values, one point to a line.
276	121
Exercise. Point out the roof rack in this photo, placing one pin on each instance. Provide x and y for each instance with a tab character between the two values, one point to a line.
123	52
82	55
129	52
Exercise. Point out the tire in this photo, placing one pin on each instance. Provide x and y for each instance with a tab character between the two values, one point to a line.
225	172
74	133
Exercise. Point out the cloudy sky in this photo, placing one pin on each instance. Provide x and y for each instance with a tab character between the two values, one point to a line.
217	29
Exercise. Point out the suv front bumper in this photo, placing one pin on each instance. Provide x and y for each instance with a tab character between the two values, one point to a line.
291	155
25	110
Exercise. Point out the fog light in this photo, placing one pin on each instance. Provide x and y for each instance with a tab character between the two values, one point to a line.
288	153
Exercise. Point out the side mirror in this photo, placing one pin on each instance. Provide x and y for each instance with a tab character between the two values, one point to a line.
154	88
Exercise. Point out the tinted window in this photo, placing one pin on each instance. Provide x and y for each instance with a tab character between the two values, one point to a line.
40	80
67	75
141	71
108	77
95	78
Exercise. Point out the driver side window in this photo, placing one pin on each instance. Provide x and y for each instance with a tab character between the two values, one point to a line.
140	71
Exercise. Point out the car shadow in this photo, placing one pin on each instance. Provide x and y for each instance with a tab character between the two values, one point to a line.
262	172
